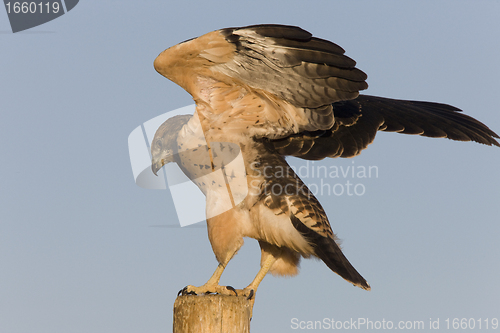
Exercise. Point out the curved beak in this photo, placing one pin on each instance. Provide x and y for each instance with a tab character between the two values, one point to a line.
156	166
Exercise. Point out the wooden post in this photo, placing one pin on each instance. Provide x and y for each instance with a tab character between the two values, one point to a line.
212	314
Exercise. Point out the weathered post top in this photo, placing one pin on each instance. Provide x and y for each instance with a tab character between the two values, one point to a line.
212	314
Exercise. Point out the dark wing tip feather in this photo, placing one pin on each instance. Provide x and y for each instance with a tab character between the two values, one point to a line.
278	31
316	71
358	120
427	119
287	34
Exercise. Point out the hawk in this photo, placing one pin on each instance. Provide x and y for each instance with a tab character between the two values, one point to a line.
271	91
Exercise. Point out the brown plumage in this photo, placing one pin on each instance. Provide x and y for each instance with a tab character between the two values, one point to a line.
272	91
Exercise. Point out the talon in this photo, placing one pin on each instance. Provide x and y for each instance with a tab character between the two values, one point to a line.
250	295
232	289
182	291
208	289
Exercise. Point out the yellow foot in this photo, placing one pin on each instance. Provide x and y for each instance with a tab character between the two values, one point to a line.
248	292
207	289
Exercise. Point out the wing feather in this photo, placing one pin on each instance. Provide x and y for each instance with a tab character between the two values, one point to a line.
310	220
281	83
314	69
290	78
369	114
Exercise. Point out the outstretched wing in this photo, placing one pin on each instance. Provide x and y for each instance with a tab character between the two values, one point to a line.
357	122
271	80
281	83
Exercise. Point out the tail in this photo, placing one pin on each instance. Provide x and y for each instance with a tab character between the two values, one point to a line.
327	250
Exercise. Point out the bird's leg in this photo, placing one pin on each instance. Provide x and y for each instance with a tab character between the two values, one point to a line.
211	286
251	290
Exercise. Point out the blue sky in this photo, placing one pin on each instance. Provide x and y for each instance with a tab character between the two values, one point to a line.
84	249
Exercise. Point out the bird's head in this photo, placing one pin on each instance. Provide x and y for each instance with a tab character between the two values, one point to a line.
164	145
